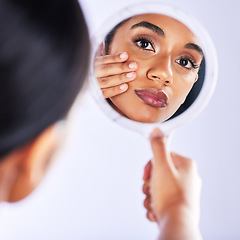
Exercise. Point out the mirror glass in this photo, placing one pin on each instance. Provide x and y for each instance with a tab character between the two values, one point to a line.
165	57
151	67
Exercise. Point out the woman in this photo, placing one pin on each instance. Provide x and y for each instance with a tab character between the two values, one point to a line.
44	49
148	66
43	61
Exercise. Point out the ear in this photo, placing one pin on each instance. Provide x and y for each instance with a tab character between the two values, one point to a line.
33	164
196	78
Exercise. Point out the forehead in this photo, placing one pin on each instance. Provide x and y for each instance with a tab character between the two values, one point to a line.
170	26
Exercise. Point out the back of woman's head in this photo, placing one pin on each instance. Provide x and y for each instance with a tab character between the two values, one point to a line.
44	49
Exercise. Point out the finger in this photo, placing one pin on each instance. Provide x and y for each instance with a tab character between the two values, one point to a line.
105	70
114	91
181	162
147	203
151	216
162	158
118	57
147	171
146	188
115	80
177	159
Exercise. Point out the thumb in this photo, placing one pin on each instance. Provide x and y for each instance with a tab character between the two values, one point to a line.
162	158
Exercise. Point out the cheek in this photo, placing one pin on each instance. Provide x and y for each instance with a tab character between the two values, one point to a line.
121	45
183	83
181	87
121	101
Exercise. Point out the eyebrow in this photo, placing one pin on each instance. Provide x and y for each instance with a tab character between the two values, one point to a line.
195	47
150	26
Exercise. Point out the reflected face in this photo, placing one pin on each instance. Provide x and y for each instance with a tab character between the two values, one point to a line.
168	57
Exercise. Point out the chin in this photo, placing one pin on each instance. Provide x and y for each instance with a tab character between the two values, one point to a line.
146	118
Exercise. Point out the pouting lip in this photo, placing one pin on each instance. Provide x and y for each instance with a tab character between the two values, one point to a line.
153	97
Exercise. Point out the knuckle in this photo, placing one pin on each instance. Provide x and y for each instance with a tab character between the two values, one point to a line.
115	57
103	81
124	66
104	92
145	188
104	70
189	162
150	216
146	203
122	77
99	70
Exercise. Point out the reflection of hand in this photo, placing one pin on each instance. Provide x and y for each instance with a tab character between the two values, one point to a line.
172	187
113	72
146	190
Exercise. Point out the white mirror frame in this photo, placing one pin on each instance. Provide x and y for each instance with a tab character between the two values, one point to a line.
210	78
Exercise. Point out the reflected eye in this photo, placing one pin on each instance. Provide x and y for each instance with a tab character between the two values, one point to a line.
144	44
187	63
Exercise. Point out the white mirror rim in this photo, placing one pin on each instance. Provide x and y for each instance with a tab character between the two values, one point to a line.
211	70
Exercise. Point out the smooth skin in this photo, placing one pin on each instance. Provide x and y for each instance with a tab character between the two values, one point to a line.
172	187
166	62
114	72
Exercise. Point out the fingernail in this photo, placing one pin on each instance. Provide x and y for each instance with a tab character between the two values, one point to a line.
131	75
132	65
156	133
123	55
123	87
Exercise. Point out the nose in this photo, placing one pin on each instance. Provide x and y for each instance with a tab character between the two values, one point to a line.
161	71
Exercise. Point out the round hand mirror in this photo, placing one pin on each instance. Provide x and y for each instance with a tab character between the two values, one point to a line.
153	66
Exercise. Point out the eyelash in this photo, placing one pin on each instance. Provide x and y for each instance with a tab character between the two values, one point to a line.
144	39
149	41
192	62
